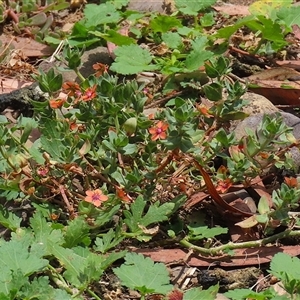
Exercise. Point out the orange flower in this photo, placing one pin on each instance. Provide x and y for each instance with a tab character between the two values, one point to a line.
204	111
73	125
90	93
100	69
95	197
123	195
42	171
56	103
291	181
175	295
159	131
224	185
72	88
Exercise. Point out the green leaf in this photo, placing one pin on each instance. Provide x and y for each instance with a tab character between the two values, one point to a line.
54	141
56	6
73	263
262	219
235	115
240	294
283	264
135	215
8	219
43	233
104	217
222	137
132	59
269	9
100	14
10	283
115	37
50	82
213	91
77	232
263	205
155	214
27	124
252	146
181	115
193	7
172	39
207	20
197	293
130	149
203	232
211	70
199	55
164	23
111	258
119	3
16	256
142	274
77	262
227	31
39	287
109	240
269	30
289	15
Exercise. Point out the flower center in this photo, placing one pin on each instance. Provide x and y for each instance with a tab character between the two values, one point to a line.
96	197
159	130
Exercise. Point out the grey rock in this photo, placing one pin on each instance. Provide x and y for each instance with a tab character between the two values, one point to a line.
161	6
89	57
92	56
258	104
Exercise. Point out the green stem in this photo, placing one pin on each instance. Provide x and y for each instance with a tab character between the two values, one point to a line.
8	160
231	246
59	280
196	21
263	146
93	294
80	76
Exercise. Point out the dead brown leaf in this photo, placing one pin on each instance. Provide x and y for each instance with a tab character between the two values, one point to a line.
241	257
195	199
8	85
296	31
229	209
291	64
29	47
233	10
280	85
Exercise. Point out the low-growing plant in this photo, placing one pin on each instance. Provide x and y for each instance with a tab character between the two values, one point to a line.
95	171
97	167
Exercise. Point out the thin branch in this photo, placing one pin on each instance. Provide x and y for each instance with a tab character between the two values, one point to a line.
163	100
231	246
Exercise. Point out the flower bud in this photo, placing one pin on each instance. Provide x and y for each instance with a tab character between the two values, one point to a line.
130	125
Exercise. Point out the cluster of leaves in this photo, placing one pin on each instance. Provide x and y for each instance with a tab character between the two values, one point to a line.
100	161
181	42
103	170
29	260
